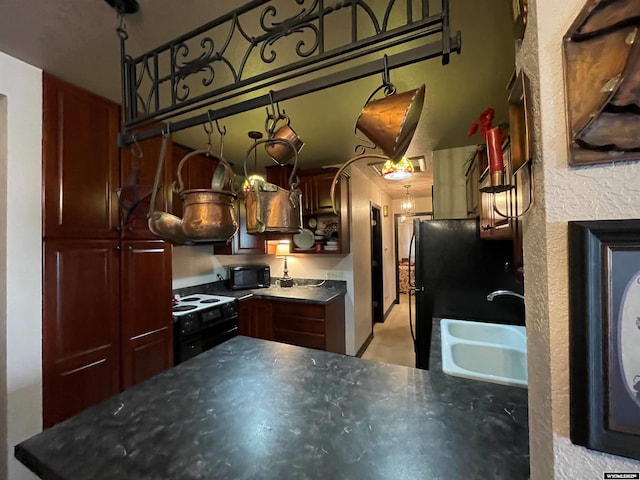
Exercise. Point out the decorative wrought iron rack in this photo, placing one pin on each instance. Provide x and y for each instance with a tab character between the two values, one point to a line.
234	56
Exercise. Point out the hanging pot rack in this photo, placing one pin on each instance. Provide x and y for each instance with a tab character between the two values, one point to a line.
171	69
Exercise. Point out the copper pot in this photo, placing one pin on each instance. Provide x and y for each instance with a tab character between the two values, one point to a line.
209	214
282	152
272	209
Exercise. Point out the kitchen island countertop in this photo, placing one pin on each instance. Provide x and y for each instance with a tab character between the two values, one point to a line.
251	408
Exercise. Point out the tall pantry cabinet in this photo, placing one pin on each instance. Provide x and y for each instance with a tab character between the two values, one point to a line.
107	281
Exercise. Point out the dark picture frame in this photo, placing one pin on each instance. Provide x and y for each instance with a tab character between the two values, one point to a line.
520	122
604	335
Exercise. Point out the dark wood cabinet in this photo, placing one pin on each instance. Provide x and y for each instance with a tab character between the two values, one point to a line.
312	325
242	242
315	185
107	320
80	162
146	333
254	318
321	193
137	175
81	325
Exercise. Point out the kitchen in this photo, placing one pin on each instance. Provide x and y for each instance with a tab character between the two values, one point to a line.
545	288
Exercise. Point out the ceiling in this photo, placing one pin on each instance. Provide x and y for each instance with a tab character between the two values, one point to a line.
76	41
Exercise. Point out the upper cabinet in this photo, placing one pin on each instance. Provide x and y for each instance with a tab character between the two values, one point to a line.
242	243
137	175
80	162
318	215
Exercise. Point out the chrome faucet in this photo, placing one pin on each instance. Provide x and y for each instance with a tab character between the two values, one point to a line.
498	293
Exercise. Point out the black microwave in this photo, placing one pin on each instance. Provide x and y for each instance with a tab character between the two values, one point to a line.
243	277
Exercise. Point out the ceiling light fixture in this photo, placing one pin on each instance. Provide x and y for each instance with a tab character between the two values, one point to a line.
397	171
407	205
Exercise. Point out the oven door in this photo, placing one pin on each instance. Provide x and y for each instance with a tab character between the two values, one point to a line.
189	345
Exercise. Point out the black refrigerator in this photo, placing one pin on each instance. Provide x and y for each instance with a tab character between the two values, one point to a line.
455	270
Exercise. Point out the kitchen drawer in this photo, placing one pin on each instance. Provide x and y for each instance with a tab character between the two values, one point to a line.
302	339
298	309
299	323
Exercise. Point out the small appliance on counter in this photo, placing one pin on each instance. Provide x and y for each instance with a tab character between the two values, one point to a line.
245	277
202	321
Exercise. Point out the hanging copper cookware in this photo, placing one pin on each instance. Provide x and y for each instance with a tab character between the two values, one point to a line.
272	209
209	214
282	153
390	122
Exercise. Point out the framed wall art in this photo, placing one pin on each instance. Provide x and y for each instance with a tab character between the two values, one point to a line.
520	122
604	335
601	75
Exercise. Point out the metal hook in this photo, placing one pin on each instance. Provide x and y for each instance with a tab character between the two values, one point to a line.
272	118
208	130
389	88
222	133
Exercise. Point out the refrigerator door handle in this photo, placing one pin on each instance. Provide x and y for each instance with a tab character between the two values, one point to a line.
412	288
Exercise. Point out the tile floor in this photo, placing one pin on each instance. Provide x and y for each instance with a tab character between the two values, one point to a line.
392	341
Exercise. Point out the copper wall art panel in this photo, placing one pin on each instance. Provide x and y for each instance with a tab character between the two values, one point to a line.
602	83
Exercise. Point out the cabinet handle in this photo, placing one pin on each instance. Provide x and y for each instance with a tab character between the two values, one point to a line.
118	229
486	227
130	248
117	248
130	229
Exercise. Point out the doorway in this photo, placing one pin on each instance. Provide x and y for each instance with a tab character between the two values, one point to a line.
377	285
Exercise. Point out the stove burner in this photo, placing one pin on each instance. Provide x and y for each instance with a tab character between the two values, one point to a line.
210	300
190	299
183	308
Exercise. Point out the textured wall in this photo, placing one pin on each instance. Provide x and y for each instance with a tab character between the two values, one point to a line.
22	271
563	194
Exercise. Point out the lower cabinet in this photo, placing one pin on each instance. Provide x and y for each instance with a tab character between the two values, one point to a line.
146	329
312	325
254	318
106	320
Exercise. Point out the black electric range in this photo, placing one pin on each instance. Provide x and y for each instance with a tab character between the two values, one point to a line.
202	321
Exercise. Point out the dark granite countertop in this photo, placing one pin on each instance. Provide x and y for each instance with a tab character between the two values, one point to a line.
304	290
253	409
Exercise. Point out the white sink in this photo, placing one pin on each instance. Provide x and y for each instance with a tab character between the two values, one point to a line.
484	351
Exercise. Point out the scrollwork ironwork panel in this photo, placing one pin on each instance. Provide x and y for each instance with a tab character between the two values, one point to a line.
263	43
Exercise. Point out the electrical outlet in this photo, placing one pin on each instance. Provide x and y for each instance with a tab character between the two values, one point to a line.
334	275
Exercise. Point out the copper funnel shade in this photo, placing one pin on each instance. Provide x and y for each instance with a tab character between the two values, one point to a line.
390	122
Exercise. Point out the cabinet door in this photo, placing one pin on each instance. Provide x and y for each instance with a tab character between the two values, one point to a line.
80	329
279	175
80	162
147	326
255	318
242	243
137	177
322	193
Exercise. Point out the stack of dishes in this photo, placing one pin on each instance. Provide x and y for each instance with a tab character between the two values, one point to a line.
331	246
